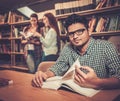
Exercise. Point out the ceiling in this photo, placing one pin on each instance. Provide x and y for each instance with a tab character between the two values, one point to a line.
7	5
36	5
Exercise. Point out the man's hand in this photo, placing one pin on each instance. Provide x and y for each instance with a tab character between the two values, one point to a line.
37	81
88	79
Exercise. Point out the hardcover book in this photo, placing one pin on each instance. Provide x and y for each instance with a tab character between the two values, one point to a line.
67	81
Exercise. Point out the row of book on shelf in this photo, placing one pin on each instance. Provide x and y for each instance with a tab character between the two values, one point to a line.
104	23
82	5
106	3
98	24
73	6
4	33
6	48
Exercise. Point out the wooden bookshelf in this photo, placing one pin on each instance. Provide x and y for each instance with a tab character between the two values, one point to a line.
10	46
108	33
104	10
107	11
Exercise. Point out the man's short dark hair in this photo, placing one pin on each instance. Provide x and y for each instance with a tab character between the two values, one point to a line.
75	18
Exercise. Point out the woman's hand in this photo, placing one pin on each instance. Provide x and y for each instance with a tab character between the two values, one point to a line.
36	34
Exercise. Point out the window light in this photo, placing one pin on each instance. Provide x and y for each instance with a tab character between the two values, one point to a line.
26	11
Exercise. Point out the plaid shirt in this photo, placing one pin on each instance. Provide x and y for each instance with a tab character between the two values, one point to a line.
100	55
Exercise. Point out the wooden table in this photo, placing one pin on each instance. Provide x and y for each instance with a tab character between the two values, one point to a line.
21	90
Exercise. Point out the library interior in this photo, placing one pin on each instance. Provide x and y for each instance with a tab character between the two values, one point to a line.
103	18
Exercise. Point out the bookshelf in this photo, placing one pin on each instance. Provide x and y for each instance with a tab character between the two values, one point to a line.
104	10
101	12
11	50
14	57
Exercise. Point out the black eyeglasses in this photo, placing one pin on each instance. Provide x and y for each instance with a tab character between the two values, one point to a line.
77	32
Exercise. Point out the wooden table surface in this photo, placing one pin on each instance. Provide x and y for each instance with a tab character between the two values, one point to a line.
21	90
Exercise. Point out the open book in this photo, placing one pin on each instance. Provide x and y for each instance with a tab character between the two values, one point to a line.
26	36
67	81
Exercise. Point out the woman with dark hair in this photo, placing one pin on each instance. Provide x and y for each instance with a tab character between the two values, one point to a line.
51	38
31	43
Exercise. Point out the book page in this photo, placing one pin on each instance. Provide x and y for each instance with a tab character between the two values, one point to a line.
70	73
70	84
52	83
67	81
56	81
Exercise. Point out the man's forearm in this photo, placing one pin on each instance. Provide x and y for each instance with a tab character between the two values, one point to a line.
109	83
49	73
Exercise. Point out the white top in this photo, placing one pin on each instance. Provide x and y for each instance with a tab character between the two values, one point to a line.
49	42
29	46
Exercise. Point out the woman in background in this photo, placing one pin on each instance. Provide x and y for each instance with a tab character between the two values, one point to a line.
32	44
51	39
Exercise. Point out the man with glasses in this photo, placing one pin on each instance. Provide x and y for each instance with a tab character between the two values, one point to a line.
100	63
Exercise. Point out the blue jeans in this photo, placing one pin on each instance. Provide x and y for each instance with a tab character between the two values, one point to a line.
31	61
51	57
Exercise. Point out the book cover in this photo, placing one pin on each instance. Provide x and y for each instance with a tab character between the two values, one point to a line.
111	3
101	24
113	23
93	24
67	81
118	23
106	25
102	3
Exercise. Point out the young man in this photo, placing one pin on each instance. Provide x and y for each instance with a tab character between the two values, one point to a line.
98	57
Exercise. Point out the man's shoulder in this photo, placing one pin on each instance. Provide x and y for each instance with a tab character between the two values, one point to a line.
67	48
102	42
68	45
